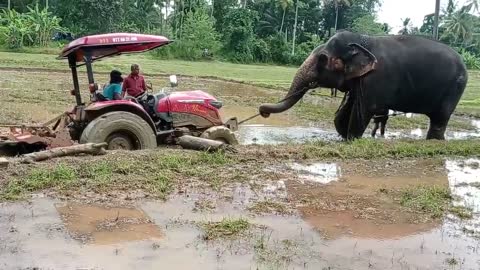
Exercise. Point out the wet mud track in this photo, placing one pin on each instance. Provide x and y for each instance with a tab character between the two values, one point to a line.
315	216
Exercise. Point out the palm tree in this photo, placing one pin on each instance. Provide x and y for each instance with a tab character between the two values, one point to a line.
459	25
295	26
472	4
284	4
337	3
406	26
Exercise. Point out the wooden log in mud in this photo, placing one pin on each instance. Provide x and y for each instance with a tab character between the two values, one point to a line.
202	144
88	148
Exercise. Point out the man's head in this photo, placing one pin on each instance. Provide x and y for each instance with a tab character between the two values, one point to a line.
135	69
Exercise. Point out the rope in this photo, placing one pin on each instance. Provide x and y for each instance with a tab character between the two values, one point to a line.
287	97
391	115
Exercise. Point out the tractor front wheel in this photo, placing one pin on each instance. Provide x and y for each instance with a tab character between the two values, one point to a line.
120	130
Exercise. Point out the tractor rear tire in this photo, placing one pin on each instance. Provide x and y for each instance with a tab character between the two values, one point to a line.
120	130
220	133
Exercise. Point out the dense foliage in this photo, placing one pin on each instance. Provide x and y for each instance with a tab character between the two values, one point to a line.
246	31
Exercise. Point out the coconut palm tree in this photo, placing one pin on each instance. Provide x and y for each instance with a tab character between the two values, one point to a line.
284	4
460	25
337	4
472	4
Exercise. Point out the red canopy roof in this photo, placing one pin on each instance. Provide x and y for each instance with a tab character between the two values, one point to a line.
112	44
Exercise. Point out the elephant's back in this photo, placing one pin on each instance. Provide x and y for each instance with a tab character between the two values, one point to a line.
420	66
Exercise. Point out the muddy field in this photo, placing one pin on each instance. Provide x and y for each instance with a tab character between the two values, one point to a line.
276	204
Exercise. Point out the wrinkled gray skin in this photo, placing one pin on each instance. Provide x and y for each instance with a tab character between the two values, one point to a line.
401	73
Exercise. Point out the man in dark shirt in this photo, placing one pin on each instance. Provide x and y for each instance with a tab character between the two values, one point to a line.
134	84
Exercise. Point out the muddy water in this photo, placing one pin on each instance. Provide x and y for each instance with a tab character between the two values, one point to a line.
102	225
50	234
276	129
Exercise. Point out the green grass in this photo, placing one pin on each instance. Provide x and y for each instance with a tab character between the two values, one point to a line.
264	75
461	212
373	149
60	177
267	207
155	173
432	200
225	229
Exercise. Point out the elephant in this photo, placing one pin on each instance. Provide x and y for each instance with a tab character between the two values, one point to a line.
408	73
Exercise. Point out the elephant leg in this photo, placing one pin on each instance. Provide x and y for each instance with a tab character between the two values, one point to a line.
438	125
439	120
342	116
383	126
374	130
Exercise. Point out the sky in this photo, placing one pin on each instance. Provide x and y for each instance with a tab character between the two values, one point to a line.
393	11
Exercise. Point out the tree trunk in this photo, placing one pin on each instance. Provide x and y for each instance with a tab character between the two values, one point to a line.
213	7
295	29
336	15
202	144
88	148
435	20
283	20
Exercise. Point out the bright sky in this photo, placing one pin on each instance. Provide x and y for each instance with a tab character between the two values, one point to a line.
393	11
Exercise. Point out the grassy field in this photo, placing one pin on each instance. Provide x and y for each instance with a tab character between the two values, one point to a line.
261	75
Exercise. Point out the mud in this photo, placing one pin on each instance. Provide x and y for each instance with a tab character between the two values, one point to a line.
345	223
100	225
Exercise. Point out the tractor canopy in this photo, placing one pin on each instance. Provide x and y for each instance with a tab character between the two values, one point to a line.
107	45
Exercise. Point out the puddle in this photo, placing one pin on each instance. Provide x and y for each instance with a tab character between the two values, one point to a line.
322	173
264	134
464	178
99	225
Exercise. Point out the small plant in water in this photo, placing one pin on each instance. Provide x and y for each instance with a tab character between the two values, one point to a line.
225	228
452	261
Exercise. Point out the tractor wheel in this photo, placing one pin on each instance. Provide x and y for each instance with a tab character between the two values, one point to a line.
120	130
220	133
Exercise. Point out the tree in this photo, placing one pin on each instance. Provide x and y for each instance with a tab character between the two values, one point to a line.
367	25
238	34
459	25
295	26
284	4
406	27
472	5
198	34
337	4
90	16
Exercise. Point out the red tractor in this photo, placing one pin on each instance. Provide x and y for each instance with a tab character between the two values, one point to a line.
123	124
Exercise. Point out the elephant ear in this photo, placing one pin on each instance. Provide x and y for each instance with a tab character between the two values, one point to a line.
360	62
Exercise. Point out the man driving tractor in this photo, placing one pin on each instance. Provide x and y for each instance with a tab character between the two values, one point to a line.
134	84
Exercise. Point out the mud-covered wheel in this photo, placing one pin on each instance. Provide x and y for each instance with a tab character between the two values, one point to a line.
120	130
220	133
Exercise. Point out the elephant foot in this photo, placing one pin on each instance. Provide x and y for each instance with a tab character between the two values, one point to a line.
437	129
436	136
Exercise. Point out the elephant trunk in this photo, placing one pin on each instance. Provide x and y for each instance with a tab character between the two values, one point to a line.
303	81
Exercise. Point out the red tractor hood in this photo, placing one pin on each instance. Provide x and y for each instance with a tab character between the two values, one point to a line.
194	102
